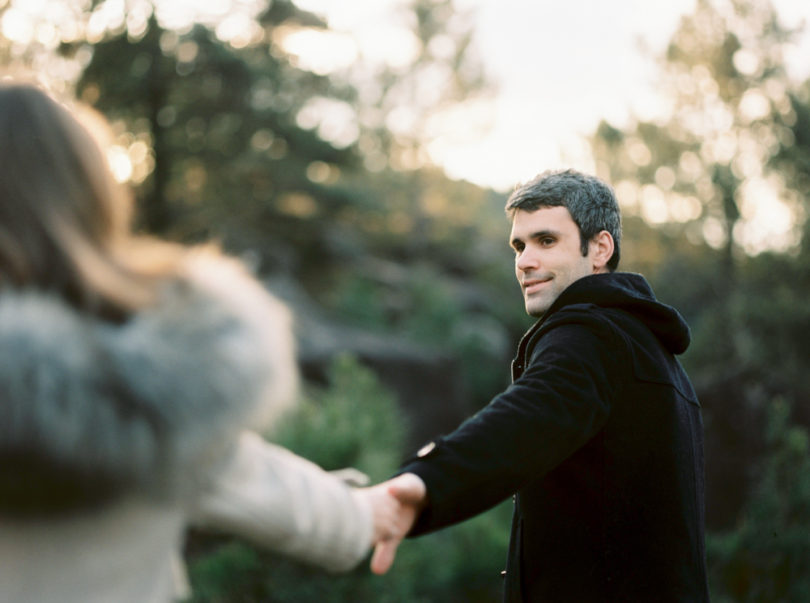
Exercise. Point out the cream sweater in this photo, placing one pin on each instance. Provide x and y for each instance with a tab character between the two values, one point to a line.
165	404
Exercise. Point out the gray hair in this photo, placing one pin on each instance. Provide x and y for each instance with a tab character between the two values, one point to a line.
591	203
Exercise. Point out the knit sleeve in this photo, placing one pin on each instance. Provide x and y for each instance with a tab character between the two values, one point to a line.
280	501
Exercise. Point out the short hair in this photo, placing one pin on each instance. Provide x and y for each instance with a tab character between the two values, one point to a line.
590	201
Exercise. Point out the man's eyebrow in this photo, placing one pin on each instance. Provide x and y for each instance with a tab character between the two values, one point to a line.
544	233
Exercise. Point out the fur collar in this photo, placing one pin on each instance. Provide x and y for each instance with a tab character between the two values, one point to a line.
147	404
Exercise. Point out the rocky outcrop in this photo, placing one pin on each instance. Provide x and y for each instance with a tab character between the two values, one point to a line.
427	383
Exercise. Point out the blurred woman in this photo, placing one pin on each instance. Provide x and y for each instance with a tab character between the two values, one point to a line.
130	370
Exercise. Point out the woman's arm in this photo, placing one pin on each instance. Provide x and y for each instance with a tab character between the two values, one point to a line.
283	502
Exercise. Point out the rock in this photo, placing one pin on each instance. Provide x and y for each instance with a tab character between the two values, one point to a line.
427	383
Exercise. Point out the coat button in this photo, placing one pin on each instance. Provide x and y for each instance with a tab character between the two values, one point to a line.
426	449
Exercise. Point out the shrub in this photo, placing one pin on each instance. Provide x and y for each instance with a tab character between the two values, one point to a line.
767	558
354	422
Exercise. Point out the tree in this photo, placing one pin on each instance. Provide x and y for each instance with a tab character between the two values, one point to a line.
226	156
706	164
243	141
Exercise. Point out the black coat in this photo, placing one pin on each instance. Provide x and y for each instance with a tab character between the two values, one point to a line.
600	437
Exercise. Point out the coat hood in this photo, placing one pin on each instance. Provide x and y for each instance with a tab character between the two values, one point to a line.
146	405
633	294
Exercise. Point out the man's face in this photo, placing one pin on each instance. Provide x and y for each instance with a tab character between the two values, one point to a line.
548	256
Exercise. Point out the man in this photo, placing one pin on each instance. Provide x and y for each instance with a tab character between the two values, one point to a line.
599	436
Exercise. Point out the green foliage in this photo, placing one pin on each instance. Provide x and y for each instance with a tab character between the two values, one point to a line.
354	423
426	306
767	558
247	145
477	339
361	300
774	320
229	159
233	572
460	564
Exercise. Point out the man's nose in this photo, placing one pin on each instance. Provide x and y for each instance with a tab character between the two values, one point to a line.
527	260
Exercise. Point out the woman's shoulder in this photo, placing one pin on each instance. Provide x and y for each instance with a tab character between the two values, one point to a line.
154	398
210	276
217	298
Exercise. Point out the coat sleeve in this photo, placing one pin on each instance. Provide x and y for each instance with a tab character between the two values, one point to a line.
561	400
280	501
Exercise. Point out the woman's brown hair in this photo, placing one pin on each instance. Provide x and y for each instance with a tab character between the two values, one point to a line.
65	222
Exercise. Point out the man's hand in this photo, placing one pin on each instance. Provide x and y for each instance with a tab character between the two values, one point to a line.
409	490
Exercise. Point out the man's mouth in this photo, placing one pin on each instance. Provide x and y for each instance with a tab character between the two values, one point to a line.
533	285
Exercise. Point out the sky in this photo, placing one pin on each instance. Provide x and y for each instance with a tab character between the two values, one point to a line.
559	67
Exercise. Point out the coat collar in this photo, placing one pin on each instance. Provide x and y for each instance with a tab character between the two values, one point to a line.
626	291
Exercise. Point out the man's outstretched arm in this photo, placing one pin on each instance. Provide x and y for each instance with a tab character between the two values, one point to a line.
410	491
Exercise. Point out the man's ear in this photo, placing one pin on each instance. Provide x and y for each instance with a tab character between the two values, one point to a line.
601	250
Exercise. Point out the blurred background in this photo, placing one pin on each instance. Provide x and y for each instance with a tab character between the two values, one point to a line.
358	154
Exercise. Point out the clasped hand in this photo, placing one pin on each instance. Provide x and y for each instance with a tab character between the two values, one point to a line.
396	504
